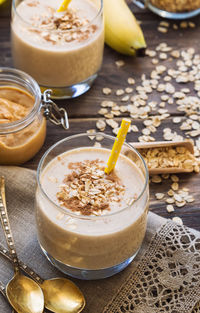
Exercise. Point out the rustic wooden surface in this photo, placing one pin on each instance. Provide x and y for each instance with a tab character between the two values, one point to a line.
83	110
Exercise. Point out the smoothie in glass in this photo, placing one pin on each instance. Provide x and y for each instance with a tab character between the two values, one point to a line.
60	50
89	220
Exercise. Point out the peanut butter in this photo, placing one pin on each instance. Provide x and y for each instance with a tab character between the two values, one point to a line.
23	142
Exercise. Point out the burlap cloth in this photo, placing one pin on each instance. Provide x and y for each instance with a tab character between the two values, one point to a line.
165	276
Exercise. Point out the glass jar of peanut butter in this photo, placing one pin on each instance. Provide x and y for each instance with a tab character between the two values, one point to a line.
179	9
23	114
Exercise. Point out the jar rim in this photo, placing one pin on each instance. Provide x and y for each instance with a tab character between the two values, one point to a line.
85	217
54	30
21	79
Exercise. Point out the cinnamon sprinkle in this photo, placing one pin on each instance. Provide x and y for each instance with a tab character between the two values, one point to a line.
87	188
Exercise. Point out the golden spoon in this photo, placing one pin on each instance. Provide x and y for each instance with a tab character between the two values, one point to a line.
60	294
24	294
71	300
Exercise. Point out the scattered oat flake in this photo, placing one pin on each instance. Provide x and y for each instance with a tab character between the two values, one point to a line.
174	178
150	53
129	90
91	131
175	26
99	137
191	24
160	196
180	204
119	92
134	128
131	81
170	193
163	56
170	208
178	197
109	115
112	123
106	91
177	220
175	186
100	124
103	111
156	179
165	176
125	98
162	29
120	63
176	120
164	23
183	24
170	200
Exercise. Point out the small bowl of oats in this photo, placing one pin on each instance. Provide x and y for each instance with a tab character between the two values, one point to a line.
179	9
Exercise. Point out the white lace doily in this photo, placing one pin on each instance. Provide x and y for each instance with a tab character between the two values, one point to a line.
167	278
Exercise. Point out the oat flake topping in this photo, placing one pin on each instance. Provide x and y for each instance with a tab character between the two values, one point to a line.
61	27
87	190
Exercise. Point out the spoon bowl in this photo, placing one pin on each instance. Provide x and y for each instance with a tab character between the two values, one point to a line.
24	295
62	296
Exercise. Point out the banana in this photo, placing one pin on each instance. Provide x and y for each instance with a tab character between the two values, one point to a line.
122	32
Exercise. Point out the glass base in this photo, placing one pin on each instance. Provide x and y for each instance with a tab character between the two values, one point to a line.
173	15
70	91
88	274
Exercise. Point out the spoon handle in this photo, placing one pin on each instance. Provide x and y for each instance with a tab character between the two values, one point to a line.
6	225
23	266
3	292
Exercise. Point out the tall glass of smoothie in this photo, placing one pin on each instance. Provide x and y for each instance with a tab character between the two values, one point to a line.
91	225
61	51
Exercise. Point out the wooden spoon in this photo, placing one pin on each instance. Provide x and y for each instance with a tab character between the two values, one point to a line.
188	144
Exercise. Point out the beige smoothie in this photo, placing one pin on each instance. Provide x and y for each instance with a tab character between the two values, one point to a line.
57	49
92	220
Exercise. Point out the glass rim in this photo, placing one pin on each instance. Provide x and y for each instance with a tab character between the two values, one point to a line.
60	30
8	74
86	217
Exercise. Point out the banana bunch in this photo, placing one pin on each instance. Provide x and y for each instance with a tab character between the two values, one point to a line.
122	32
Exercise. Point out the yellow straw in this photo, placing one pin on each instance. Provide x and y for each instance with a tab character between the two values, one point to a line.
121	136
64	6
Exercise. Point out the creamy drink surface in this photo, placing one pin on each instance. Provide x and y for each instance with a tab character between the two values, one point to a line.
44	45
99	239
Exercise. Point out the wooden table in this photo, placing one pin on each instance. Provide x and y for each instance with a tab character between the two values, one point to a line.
83	110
